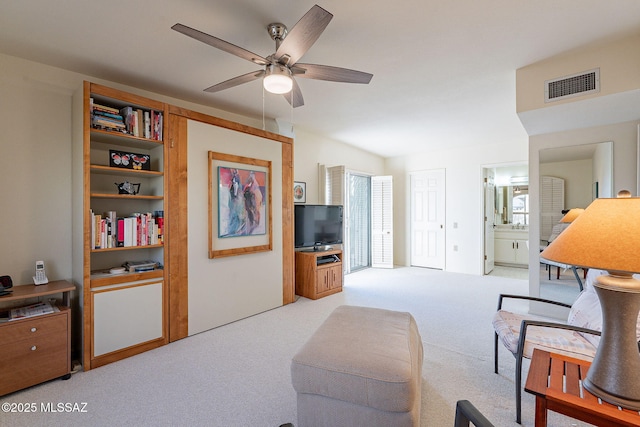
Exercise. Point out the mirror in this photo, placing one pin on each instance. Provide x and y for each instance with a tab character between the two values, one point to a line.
585	173
512	195
580	174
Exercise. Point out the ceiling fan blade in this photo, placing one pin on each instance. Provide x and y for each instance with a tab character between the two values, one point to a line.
295	96
245	78
220	44
303	35
332	74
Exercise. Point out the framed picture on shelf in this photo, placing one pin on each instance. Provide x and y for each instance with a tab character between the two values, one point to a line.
299	192
128	160
239	205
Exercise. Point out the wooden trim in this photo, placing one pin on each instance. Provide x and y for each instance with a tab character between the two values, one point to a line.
123	353
126	97
288	255
216	121
178	228
87	310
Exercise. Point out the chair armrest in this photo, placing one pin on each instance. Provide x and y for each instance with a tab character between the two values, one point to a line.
526	323
467	413
530	298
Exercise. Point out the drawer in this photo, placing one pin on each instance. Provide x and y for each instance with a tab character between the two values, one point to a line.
34	360
18	330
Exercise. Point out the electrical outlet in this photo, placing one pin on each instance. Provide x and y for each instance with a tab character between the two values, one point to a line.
455	248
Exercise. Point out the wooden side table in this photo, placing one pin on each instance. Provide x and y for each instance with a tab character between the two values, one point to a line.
556	381
38	348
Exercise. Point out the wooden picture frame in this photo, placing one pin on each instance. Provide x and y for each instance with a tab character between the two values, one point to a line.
240	218
299	192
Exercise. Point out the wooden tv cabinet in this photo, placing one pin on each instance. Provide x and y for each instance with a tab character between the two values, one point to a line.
318	273
36	349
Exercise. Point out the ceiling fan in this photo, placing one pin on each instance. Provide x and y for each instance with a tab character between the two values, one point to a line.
281	67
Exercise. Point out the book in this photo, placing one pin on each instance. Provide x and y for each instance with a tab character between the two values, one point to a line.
120	232
140	266
99	107
109	115
97	235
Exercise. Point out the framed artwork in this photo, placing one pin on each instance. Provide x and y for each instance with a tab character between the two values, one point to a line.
299	192
239	205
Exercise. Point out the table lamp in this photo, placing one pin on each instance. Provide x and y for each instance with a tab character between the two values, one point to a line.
606	236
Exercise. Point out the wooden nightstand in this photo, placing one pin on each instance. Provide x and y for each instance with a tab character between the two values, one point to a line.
36	349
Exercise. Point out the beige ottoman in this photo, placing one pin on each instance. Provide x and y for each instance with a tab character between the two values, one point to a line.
362	367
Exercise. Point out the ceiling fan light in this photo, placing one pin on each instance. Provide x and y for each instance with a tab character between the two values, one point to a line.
277	79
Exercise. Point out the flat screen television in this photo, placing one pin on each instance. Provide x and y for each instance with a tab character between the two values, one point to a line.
317	225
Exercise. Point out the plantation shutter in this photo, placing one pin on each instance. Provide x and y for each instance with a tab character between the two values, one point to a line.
382	221
335	184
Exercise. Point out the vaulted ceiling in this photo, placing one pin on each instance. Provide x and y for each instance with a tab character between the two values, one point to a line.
443	71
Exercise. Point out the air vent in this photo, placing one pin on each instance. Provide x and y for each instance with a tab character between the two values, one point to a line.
574	85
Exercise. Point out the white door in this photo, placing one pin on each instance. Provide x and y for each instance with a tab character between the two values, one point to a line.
428	218
382	221
489	219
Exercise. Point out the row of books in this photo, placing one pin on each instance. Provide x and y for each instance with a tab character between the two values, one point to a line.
31	310
129	120
137	229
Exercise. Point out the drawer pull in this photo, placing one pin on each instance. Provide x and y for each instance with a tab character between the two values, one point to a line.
33	348
33	329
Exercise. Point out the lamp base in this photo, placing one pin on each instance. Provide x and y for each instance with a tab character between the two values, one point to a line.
623	402
614	375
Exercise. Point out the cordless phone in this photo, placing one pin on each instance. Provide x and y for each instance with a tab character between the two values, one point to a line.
40	278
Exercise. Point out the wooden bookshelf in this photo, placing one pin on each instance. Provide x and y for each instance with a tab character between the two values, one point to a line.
114	303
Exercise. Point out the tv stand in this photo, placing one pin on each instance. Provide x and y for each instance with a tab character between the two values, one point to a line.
318	273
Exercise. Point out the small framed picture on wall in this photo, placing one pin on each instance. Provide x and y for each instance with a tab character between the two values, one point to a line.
299	192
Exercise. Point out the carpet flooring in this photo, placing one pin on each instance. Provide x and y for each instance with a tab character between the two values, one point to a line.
239	374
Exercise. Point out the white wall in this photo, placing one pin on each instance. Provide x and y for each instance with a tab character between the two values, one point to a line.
310	149
464	198
35	161
222	290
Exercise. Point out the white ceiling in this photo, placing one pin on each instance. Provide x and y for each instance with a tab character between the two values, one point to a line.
444	71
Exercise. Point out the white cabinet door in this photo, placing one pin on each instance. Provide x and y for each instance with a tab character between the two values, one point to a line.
512	251
521	252
124	317
504	250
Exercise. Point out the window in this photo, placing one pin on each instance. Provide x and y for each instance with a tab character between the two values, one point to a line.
520	208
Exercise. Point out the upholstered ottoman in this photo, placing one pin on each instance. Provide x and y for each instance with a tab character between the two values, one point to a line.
362	367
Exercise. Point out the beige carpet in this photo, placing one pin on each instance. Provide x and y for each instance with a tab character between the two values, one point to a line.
239	374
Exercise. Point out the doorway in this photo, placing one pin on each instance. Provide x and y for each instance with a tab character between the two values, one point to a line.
427	218
489	188
506	219
358	222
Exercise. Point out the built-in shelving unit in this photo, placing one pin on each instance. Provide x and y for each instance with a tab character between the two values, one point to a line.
124	313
